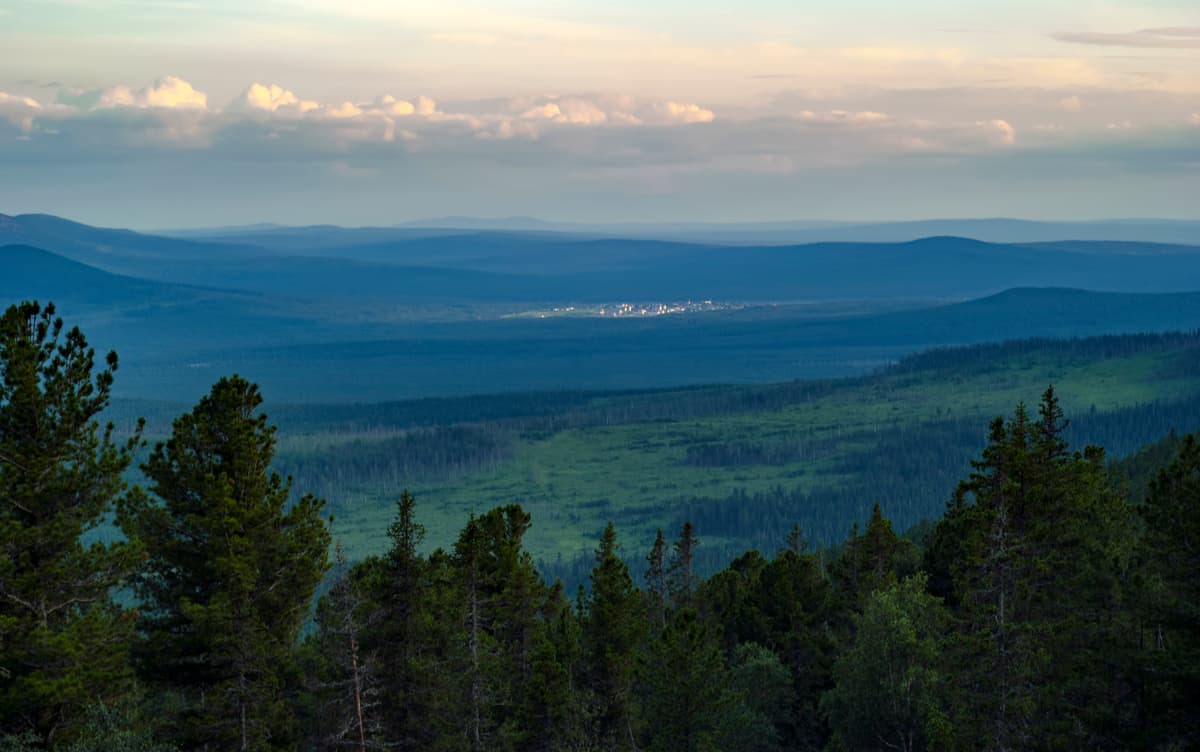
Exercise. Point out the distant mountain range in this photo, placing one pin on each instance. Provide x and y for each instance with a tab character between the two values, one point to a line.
367	314
409	265
310	328
994	230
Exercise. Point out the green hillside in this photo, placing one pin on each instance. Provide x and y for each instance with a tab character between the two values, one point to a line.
743	462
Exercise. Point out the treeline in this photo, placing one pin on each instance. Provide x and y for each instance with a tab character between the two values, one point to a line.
415	456
982	357
1045	609
906	469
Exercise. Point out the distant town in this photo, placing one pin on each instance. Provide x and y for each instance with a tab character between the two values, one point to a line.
625	310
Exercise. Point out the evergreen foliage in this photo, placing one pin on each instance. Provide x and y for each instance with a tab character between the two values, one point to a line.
1171	553
229	575
612	630
1054	605
64	642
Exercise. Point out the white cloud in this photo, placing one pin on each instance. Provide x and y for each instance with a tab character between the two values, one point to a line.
273	98
571	111
683	112
20	111
344	110
1071	104
999	132
844	116
1194	118
169	92
392	106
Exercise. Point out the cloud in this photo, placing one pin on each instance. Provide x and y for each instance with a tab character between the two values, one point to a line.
1194	118
169	92
683	112
1071	104
1175	37
533	117
273	98
344	110
843	117
426	106
20	111
999	132
572	111
392	106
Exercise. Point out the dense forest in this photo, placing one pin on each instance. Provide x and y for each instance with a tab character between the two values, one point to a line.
1053	604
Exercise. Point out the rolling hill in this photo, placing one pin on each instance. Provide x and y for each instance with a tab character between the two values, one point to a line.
406	264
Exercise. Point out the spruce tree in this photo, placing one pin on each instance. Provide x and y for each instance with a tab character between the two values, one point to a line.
1035	543
1171	552
342	671
681	572
872	561
230	572
689	704
399	627
656	583
63	642
613	628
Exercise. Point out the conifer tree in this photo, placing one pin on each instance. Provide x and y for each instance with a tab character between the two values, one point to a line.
501	628
872	561
399	630
346	694
1041	541
612	630
63	642
681	572
1171	551
656	583
689	704
229	575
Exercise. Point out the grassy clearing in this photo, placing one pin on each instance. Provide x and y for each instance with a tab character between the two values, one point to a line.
574	480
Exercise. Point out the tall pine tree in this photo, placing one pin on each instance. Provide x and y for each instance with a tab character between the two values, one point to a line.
230	572
63	643
1034	544
613	628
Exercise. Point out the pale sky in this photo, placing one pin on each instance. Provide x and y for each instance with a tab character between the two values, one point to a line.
160	113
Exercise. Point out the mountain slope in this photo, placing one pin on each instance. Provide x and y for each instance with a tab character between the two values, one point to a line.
36	273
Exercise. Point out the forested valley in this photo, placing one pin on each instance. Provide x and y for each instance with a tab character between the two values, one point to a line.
1053	604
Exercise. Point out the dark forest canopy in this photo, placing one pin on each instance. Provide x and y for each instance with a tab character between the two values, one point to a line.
1052	605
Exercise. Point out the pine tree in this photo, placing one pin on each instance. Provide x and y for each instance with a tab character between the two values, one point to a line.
345	690
556	715
63	642
612	630
1171	551
229	575
688	705
399	630
656	583
872	561
681	572
792	607
1042	540
500	627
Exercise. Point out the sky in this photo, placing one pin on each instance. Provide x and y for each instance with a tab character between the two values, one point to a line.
189	113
